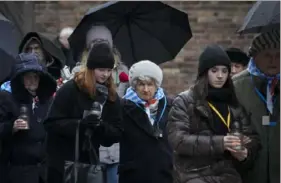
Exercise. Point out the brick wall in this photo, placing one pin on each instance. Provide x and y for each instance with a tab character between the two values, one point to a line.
211	22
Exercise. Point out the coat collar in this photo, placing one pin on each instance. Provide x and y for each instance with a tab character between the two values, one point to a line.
140	118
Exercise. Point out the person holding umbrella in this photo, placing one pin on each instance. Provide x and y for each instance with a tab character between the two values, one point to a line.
258	91
97	33
239	60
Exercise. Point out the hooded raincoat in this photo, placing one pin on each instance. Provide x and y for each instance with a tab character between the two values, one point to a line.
24	150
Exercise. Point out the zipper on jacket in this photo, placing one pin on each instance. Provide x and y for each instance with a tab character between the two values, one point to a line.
198	169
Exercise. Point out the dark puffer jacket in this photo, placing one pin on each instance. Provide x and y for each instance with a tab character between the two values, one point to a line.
199	153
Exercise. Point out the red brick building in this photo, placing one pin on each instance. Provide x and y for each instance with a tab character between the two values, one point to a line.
211	22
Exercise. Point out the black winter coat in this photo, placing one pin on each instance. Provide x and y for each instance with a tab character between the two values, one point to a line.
65	112
144	157
8	114
24	150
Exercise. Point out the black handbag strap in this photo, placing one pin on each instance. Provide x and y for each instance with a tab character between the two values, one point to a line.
92	152
94	159
76	160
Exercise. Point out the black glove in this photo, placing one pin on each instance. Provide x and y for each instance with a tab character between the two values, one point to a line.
91	120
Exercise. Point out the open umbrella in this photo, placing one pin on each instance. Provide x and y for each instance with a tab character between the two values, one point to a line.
140	29
262	17
9	36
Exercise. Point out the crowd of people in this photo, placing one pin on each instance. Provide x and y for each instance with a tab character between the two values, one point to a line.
125	122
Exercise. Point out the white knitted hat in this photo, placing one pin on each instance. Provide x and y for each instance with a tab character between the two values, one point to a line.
146	68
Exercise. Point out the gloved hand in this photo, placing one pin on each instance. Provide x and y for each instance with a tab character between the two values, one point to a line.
91	120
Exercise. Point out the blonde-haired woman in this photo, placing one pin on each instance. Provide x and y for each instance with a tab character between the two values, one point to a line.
120	70
94	83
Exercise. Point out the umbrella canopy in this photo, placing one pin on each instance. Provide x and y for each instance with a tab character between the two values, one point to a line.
140	30
262	17
9	36
7	62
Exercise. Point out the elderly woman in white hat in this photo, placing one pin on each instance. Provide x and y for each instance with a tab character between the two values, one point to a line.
145	155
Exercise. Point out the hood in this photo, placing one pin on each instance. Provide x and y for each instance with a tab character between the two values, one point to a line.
26	62
48	46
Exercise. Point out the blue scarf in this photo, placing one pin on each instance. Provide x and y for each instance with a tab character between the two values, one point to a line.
132	95
151	109
6	86
253	70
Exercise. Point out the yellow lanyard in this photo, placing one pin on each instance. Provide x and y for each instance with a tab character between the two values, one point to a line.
227	123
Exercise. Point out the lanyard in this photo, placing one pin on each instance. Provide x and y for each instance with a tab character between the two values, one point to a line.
260	94
227	123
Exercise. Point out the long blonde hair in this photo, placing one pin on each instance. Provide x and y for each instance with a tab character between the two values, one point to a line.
84	57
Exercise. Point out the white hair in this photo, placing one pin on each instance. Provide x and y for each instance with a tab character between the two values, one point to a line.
67	31
99	32
142	78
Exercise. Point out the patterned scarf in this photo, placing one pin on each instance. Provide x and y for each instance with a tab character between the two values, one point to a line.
151	106
272	82
6	86
35	101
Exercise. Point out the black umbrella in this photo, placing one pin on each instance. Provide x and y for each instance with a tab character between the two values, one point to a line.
140	29
9	36
7	62
262	17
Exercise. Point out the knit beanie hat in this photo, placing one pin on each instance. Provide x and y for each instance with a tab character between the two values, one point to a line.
146	68
99	33
237	56
212	55
100	56
266	40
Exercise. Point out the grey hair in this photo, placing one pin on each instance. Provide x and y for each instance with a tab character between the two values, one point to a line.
66	31
142	78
